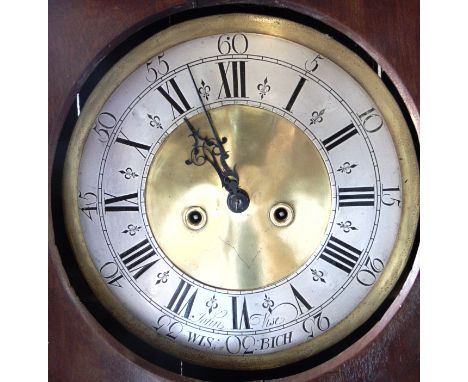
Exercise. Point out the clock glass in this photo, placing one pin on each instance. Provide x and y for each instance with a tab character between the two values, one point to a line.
238	187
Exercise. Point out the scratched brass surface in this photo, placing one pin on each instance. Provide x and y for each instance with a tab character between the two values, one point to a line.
276	162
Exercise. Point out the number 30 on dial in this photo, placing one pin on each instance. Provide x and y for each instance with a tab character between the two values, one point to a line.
241	191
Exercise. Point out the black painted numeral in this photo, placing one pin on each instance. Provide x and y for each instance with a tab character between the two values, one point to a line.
237	321
128	203
137	145
181	107
135	258
340	137
340	254
300	300
371	120
111	272
237	86
88	202
356	196
391	196
179	302
296	92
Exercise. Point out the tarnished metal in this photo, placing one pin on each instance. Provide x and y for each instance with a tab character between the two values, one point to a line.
277	162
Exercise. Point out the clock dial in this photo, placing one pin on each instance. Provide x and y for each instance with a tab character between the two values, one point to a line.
234	194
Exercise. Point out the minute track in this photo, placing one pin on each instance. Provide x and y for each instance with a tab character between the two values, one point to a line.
255	296
227	103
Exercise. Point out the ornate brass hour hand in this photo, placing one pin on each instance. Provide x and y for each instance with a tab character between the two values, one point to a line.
211	149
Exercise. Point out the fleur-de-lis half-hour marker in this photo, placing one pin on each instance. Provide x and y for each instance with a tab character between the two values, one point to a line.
204	90
268	303
263	88
346	168
317	275
212	304
347	226
162	277
317	117
132	229
128	173
155	121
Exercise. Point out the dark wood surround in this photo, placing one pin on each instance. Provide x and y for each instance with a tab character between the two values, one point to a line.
84	32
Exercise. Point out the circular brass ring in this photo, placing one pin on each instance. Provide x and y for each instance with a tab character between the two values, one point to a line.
279	221
325	46
197	224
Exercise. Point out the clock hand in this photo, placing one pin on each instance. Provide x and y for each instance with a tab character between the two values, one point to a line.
224	154
212	149
208	150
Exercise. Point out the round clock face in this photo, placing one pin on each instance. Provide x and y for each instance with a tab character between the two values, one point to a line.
234	193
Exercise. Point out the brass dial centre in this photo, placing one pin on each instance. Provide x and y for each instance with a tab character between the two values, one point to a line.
277	163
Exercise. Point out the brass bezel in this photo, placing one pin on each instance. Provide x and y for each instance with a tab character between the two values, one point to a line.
325	46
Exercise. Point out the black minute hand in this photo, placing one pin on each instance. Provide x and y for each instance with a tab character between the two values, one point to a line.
212	150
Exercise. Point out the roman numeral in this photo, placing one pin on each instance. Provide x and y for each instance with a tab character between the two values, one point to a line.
128	142
296	92
137	145
181	108
179	303
340	254
300	300
340	137
129	204
134	257
238	79
356	196
244	315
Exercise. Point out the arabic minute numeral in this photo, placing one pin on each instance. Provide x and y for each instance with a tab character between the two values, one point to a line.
154	69
368	276
391	196
110	271
371	121
316	323
238	43
173	328
234	344
312	65
88	200
104	123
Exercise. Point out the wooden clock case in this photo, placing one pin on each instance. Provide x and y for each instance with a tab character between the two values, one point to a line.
85	38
